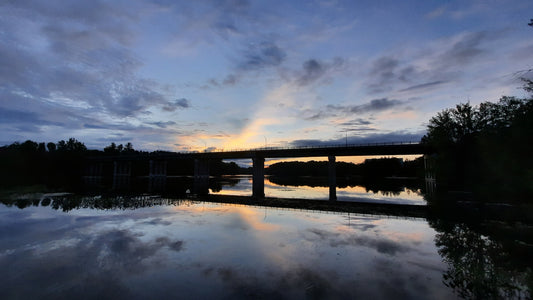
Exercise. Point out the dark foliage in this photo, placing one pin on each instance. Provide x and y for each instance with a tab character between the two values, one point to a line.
486	149
370	168
486	260
65	163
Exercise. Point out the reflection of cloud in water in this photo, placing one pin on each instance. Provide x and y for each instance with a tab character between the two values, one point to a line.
237	251
335	239
90	265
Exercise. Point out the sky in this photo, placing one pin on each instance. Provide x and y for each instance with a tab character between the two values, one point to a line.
221	75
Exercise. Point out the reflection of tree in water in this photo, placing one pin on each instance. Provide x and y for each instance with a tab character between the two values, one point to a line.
485	263
387	187
71	202
217	184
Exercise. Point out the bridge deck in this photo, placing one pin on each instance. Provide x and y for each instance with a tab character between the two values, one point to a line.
272	152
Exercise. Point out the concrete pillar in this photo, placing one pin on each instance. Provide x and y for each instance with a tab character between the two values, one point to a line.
201	177
258	181
94	174
332	178
121	175
429	174
157	177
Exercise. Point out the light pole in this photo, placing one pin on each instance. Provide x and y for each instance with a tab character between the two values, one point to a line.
265	141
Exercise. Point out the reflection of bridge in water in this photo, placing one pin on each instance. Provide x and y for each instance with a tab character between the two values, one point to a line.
67	202
157	171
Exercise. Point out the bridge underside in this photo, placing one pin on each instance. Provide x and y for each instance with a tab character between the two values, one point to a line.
158	163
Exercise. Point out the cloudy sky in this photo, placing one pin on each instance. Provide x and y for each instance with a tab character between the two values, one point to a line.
191	75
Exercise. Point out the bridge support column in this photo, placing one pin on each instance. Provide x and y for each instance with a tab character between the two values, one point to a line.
429	174
258	181
332	178
121	175
94	175
157	178
201	177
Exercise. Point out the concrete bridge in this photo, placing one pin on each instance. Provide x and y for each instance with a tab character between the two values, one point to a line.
158	162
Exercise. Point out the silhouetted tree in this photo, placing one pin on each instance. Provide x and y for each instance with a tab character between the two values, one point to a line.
485	146
51	147
111	148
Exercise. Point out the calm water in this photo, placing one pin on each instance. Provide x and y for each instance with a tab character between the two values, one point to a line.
148	247
205	250
242	185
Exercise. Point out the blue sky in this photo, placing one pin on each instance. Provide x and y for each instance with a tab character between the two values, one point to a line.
191	75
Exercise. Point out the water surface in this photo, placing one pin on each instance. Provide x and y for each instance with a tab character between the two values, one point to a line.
63	246
204	250
242	185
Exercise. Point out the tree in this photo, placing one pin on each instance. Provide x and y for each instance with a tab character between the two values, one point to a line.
72	145
111	148
129	148
485	146
51	147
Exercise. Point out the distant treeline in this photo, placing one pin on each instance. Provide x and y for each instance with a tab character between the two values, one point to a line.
370	168
486	149
62	164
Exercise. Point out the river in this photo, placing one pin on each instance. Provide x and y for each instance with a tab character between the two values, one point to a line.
65	246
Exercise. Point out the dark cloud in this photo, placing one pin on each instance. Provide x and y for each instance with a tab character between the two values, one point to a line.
163	124
356	122
178	103
229	80
381	245
364	138
262	55
313	70
71	61
93	126
374	105
10	116
385	72
464	51
384	67
424	86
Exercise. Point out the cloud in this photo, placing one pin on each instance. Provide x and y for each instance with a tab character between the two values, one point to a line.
76	57
313	70
175	104
364	138
163	124
374	105
229	80
465	50
9	116
386	71
381	245
424	86
263	55
356	122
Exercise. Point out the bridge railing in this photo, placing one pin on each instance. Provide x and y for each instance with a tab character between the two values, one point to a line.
218	150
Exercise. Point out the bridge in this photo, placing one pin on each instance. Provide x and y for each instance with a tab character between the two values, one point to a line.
158	162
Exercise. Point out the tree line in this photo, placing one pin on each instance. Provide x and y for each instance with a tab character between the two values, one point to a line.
370	168
62	164
486	149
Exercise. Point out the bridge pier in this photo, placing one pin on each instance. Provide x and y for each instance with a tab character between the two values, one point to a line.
121	175
332	178
157	178
94	174
258	180
201	177
429	174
